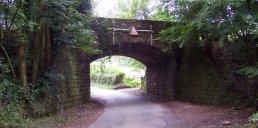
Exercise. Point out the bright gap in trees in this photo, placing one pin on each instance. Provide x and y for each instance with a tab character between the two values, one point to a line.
126	9
116	72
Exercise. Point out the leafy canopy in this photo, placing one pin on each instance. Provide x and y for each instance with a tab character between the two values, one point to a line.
209	20
134	9
71	26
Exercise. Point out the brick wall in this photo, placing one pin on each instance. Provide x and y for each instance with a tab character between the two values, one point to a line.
72	64
160	80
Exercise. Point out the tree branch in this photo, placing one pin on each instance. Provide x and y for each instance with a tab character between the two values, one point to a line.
9	62
14	16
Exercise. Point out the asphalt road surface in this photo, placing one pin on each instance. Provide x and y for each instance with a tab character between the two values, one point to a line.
123	110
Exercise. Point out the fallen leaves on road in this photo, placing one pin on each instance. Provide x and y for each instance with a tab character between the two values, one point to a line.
81	116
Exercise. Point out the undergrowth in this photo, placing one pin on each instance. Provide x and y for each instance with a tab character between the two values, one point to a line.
19	105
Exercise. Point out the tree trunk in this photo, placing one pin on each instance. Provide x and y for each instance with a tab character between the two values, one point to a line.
37	46
42	48
47	46
22	65
5	53
9	62
35	62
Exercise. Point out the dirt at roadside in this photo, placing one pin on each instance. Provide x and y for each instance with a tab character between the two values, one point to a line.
189	115
207	116
186	115
81	116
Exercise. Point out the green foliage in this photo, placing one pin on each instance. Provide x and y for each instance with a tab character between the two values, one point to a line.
226	22
15	101
12	98
12	101
70	26
46	96
132	83
177	36
106	76
12	115
210	20
21	22
128	62
18	103
254	120
103	86
119	78
12	93
134	9
4	70
250	72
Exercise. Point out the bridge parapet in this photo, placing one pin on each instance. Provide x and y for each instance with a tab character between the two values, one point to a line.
117	31
113	37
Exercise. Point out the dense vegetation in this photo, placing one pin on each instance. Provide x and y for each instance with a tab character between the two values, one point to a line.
231	25
136	9
30	34
116	72
129	9
228	23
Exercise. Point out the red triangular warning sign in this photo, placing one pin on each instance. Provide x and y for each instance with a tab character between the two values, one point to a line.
133	32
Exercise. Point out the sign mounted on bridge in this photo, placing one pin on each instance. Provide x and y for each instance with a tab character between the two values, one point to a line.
133	32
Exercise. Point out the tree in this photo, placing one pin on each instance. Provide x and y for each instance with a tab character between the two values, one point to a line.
128	62
211	20
68	26
134	9
31	30
38	25
11	11
224	20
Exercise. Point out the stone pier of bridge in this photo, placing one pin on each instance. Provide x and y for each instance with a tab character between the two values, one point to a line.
113	38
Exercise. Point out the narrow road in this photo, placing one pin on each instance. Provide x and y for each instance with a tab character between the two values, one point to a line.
123	110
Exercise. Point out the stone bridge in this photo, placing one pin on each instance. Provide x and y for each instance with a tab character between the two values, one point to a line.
186	74
114	38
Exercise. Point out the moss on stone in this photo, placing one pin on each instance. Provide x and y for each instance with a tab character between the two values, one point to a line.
199	81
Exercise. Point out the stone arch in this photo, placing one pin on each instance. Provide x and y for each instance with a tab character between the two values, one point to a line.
158	82
74	65
144	53
153	58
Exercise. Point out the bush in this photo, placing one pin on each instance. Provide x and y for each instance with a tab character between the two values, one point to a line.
106	77
12	98
103	86
119	78
132	83
12	115
46	95
254	120
12	103
109	76
18	103
12	93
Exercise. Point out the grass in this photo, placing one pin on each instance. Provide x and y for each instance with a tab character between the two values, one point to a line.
45	122
103	86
